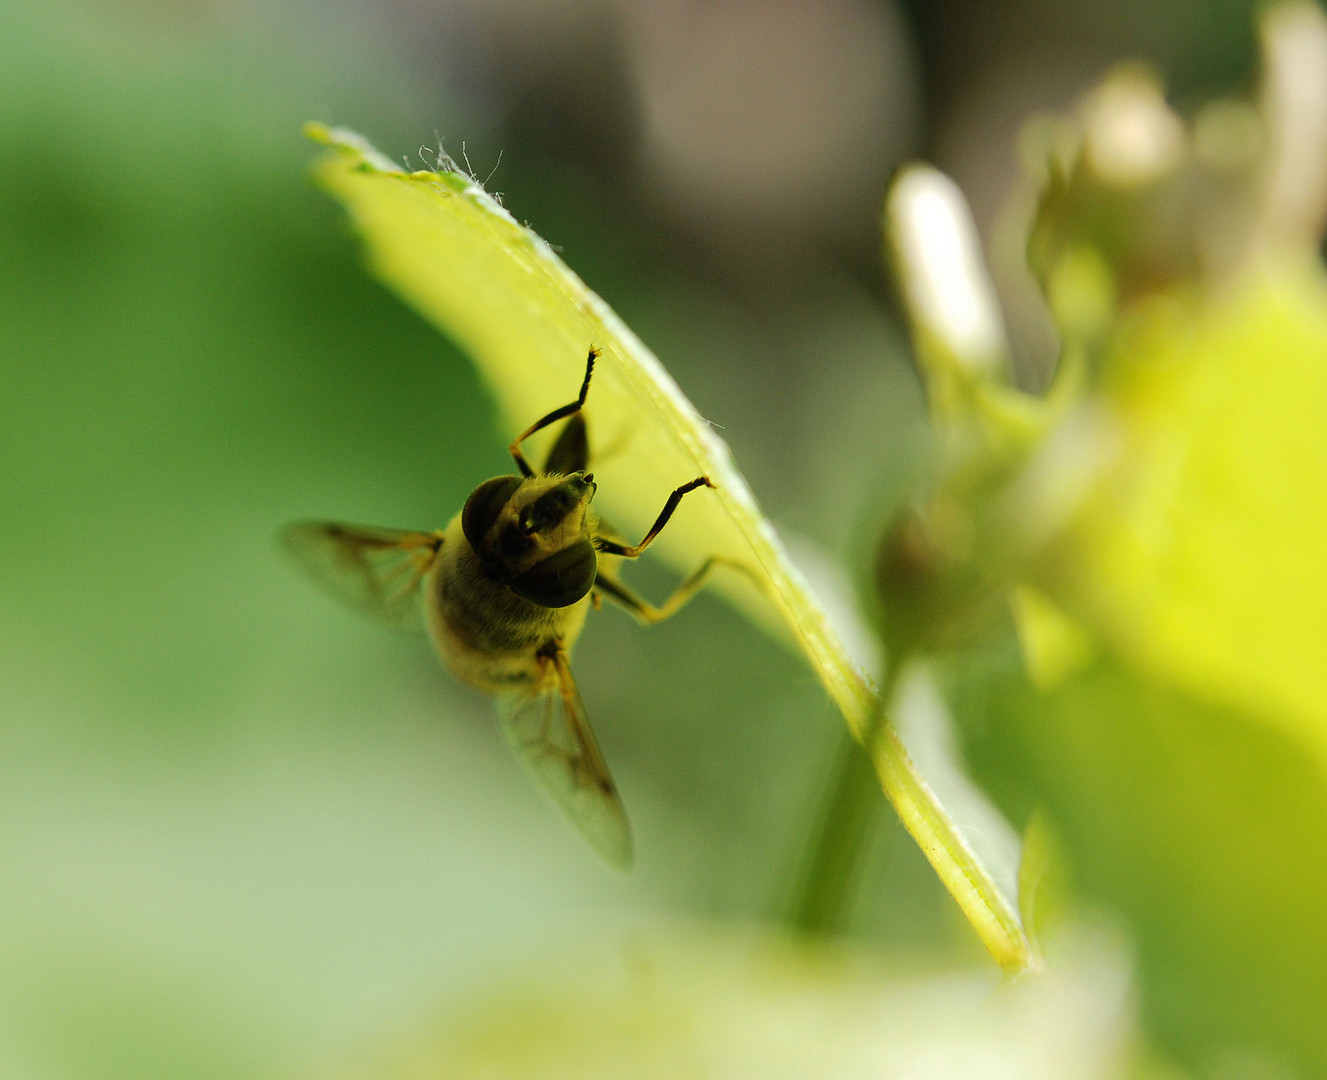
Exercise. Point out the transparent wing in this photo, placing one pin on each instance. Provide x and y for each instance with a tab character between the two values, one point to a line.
376	571
547	728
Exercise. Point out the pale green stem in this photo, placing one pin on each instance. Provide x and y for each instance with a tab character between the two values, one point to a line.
831	865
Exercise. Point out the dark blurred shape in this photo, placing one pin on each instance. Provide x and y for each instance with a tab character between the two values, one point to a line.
932	592
728	119
553	77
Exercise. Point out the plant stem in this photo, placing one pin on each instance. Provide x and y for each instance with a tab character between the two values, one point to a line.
848	819
832	862
872	758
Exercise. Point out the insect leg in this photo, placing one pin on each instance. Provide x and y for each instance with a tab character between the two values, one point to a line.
557	414
611	547
571	452
646	613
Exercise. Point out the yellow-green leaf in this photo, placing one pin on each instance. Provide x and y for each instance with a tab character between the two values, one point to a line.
1200	552
1199	825
527	321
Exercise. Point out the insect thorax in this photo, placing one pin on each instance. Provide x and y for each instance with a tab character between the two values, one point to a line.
488	635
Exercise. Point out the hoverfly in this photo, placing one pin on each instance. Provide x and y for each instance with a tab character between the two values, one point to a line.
503	592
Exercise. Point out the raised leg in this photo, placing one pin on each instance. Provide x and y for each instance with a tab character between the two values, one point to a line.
612	547
557	414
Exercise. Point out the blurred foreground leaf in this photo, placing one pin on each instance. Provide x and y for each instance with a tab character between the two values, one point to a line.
502	293
713	1003
1155	539
1187	769
1199	551
1202	826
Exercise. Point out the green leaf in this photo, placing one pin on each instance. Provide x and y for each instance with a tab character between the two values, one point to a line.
1199	551
1173	723
1161	542
452	252
1187	769
1201	825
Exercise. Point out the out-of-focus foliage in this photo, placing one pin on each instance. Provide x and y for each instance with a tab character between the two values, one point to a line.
1147	671
245	836
239	830
691	1002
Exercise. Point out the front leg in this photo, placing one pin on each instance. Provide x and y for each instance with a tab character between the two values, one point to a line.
514	448
612	547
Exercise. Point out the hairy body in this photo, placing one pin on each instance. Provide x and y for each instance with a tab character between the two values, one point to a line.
487	635
503	592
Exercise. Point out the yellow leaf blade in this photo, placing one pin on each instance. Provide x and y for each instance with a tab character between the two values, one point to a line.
527	321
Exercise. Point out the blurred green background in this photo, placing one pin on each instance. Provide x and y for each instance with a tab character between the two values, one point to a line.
242	832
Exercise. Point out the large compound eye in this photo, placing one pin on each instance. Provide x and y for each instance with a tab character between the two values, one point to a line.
484	506
561	579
